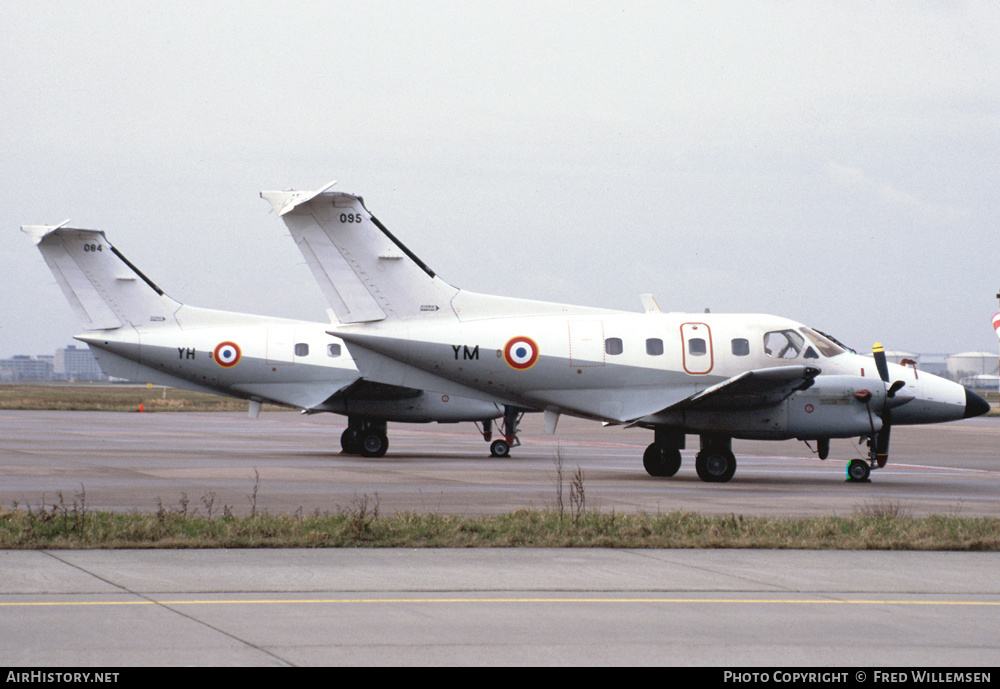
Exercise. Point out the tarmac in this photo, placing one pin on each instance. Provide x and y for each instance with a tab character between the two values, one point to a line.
865	611
861	610
285	462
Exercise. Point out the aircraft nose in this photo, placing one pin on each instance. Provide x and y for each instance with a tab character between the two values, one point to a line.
974	405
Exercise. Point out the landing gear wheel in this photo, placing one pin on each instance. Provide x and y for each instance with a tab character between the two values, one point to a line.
373	444
350	443
858	471
500	448
661	460
715	465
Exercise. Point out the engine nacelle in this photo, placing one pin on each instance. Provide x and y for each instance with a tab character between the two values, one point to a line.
832	407
836	407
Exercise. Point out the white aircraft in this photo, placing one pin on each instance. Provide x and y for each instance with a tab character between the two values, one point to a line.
719	376
996	322
138	333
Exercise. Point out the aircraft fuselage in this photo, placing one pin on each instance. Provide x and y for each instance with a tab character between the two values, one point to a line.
630	368
280	361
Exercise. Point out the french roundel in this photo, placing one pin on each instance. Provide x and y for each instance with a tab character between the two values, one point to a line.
227	354
520	353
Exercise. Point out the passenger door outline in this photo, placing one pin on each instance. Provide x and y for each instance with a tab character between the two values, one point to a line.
697	364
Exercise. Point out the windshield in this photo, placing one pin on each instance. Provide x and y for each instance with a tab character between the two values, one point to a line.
789	344
826	345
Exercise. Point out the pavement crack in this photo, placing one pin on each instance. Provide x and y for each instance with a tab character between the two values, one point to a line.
166	606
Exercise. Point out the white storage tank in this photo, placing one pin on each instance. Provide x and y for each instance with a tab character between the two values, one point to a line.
973	364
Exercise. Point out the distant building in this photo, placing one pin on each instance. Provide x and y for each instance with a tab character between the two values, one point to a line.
24	367
982	381
934	363
72	363
973	364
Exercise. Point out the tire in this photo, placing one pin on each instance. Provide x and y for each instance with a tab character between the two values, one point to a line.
500	448
374	444
715	466
349	442
661	460
858	471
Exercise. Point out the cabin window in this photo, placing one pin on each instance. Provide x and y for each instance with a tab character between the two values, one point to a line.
654	346
333	350
697	347
783	344
741	346
301	349
613	345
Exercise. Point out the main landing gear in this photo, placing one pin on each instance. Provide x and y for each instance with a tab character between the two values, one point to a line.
715	462
511	418
365	437
663	457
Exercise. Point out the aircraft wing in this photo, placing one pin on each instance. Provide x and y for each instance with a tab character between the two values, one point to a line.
754	389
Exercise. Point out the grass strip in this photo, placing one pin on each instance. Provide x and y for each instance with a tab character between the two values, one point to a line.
118	398
362	526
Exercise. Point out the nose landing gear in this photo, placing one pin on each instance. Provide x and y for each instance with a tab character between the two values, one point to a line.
858	471
511	418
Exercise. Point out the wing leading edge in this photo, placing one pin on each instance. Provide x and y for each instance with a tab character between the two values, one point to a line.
750	390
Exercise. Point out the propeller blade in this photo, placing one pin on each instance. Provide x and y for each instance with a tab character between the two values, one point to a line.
882	438
883	369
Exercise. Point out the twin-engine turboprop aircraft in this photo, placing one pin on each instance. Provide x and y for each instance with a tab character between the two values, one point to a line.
718	376
138	333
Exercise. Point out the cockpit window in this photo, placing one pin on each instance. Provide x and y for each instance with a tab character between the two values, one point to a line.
826	345
783	344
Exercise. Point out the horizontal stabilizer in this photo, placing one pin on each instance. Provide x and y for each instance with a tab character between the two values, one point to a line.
285	201
381	367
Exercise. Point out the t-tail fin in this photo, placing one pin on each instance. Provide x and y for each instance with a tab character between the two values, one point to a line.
103	287
365	273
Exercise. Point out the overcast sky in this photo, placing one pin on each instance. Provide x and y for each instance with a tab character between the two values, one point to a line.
835	163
